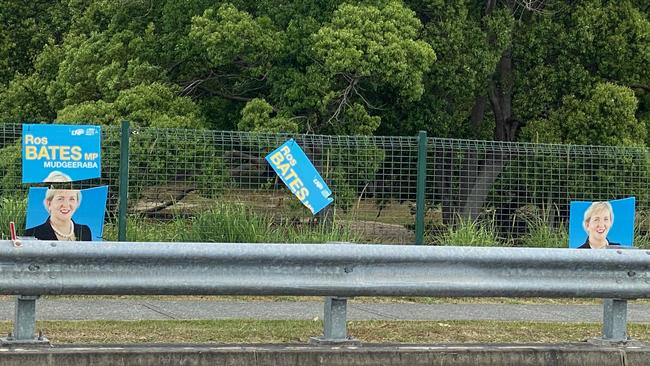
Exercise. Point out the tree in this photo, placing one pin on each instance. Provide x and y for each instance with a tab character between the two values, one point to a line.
362	51
345	67
606	117
595	42
370	50
27	27
154	105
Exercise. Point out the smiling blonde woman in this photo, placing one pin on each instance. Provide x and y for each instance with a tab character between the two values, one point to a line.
61	204
598	220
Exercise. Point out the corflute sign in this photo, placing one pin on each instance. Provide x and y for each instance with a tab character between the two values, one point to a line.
300	176
55	153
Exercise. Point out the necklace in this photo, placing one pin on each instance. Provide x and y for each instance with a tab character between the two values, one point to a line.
69	236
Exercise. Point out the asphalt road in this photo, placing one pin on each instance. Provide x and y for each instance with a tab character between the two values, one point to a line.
53	309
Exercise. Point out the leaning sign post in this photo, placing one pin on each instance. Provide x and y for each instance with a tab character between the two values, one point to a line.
300	176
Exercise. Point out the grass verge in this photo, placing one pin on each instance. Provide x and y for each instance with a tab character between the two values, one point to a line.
289	331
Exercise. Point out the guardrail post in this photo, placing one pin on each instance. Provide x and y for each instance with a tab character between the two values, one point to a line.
615	320
335	317
335	329
25	323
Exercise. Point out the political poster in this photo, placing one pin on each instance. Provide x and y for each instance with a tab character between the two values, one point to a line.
300	176
60	153
601	224
66	214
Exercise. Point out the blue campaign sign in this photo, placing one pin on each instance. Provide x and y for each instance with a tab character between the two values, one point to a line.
61	153
78	211
618	229
299	174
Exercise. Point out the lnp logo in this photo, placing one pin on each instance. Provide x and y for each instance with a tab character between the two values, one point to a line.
78	132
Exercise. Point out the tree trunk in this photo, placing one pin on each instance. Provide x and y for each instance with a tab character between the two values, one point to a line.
500	93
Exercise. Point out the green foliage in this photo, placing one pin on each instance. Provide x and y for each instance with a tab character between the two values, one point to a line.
229	34
10	171
592	43
99	66
369	52
606	117
465	62
226	224
316	234
153	105
613	37
148	230
24	100
541	233
376	42
555	175
12	210
332	67
346	176
26	28
166	156
469	233
365	124
256	117
544	236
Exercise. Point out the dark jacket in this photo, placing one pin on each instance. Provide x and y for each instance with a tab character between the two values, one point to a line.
586	244
44	231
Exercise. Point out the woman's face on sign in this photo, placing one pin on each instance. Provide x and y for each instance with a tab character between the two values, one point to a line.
599	224
63	205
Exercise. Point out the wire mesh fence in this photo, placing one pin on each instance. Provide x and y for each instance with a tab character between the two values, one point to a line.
176	176
516	186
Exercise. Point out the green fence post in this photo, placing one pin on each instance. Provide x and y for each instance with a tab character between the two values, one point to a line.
124	181
421	187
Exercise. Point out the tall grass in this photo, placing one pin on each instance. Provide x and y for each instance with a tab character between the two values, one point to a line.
641	232
12	209
151	230
642	241
541	232
317	234
468	232
227	224
542	235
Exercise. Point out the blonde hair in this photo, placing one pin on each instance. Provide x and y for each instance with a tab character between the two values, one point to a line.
598	207
49	195
57	177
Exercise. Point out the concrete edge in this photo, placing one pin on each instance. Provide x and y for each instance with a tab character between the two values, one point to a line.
577	354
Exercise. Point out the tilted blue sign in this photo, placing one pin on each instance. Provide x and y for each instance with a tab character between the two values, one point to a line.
59	153
299	174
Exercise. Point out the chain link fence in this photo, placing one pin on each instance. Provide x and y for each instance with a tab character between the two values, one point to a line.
176	175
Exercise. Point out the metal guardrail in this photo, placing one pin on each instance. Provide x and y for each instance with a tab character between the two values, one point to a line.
336	271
